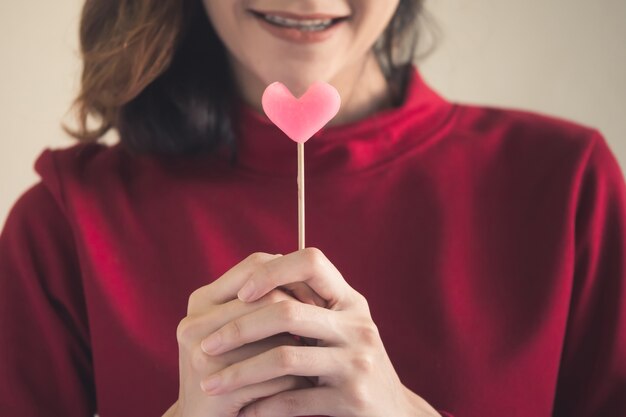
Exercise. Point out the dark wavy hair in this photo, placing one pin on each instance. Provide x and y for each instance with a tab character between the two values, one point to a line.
156	71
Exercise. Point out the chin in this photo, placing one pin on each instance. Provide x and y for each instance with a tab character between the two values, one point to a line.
297	78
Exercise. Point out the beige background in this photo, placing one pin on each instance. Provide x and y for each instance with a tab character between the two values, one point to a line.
562	57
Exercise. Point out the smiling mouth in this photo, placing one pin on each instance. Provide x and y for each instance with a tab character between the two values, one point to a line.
313	23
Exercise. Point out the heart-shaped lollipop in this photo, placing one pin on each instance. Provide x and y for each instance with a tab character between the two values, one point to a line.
300	118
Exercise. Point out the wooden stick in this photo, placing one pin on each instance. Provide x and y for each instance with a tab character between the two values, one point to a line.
300	196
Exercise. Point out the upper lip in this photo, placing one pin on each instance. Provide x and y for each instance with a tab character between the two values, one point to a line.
288	15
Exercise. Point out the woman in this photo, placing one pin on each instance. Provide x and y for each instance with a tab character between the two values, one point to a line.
466	259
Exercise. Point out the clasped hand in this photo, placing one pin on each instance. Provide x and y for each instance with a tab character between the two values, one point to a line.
286	336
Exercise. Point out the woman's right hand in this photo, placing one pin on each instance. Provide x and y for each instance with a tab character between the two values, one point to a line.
210	307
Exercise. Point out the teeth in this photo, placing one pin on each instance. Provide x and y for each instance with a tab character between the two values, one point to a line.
308	24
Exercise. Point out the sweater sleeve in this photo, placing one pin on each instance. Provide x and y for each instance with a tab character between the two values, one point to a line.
592	376
45	361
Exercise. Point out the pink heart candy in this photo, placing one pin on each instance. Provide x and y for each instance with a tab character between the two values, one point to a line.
300	118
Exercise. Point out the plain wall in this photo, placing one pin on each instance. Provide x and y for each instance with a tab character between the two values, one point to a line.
561	57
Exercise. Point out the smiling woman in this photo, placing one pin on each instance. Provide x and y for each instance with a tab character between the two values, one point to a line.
464	258
136	54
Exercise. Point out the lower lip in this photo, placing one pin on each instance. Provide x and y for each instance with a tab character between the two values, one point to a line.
299	36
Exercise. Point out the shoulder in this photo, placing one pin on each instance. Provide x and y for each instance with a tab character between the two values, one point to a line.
82	169
525	150
35	225
41	211
81	161
32	211
537	141
511	126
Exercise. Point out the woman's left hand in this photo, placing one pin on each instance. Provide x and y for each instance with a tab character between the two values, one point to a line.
355	376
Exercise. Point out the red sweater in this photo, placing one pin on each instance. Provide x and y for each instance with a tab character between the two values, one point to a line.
490	244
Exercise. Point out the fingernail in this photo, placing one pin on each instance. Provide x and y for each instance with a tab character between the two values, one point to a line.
211	343
247	292
211	384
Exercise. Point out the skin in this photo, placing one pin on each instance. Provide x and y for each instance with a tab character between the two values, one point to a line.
237	356
210	308
237	339
345	61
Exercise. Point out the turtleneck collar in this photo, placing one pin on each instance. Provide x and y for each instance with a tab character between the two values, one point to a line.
264	149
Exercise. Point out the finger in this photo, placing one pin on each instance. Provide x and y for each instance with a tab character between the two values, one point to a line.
290	316
236	308
204	365
310	266
304	293
251	393
303	402
277	362
194	328
225	287
253	349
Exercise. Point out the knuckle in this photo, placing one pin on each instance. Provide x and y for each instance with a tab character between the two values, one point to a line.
359	398
362	363
231	376
286	357
314	257
185	332
368	334
195	300
258	258
233	331
290	311
200	300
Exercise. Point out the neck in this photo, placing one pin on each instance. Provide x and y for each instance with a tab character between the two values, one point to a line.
362	87
363	91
